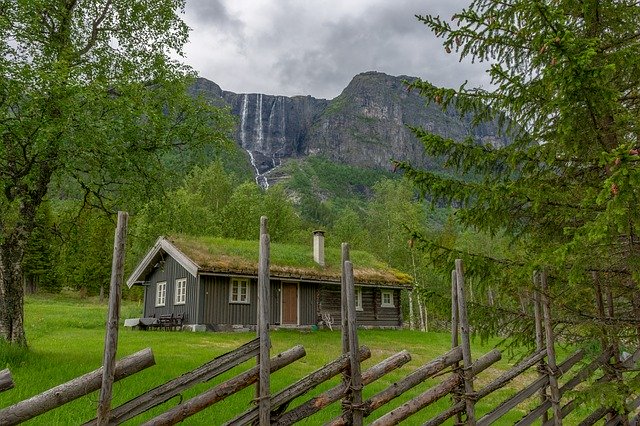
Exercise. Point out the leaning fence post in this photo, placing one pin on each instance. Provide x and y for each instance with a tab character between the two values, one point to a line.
264	398
111	337
466	346
356	379
551	352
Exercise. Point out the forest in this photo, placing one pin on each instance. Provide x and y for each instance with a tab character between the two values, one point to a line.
72	245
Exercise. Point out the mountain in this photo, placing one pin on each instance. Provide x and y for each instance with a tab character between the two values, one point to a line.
365	126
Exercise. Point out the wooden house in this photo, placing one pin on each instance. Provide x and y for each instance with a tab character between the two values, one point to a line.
212	282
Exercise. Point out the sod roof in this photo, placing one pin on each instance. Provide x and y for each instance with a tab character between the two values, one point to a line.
226	256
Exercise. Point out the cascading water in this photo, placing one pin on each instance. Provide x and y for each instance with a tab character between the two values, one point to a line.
267	139
261	180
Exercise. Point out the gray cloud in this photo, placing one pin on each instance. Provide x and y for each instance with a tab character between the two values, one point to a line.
212	12
311	47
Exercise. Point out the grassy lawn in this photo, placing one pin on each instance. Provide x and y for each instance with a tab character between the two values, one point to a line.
66	337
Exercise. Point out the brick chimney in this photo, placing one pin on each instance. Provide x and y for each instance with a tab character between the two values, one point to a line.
318	247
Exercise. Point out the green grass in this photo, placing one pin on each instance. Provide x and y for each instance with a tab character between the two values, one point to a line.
66	338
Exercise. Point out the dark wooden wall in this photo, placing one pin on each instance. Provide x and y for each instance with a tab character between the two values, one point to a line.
372	314
218	311
308	304
169	272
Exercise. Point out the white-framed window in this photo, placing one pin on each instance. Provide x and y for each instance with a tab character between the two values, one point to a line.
387	299
239	290
180	296
358	298
161	293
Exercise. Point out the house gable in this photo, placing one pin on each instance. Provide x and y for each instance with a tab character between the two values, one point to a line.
158	253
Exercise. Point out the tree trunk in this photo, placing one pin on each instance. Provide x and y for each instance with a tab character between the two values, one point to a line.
421	312
12	289
412	325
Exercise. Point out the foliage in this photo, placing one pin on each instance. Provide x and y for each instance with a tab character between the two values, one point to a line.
85	249
324	187
91	104
40	253
564	193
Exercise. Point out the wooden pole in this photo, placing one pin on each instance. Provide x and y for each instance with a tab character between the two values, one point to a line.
347	400
466	345
537	313
223	390
6	381
73	389
343	302
433	394
326	398
288	394
551	352
172	388
111	337
417	377
264	399
567	408
356	378
455	340
498	383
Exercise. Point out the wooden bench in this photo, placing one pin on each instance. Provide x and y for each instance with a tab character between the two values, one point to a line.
165	321
171	321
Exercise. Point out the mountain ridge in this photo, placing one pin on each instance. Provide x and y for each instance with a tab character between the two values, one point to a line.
366	125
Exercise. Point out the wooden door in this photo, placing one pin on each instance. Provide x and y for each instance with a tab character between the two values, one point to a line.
289	303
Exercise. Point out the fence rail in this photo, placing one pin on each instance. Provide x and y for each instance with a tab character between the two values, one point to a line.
455	370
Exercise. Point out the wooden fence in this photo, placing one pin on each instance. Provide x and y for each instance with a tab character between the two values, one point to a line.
457	371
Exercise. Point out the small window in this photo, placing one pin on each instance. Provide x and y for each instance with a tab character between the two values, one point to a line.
161	293
239	290
358	298
387	299
181	292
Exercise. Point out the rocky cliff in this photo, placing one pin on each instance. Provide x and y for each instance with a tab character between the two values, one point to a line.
365	126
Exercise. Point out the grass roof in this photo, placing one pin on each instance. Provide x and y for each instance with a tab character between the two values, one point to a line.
222	255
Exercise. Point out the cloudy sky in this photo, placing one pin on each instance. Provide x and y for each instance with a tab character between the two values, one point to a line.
314	47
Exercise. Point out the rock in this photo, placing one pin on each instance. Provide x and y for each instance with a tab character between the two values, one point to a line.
366	125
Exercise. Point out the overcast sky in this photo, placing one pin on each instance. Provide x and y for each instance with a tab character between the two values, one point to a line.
313	47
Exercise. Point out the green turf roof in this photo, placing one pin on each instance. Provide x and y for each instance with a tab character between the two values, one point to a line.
220	255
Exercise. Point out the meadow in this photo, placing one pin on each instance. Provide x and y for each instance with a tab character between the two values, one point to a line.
66	337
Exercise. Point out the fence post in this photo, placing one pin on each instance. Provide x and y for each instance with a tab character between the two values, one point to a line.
455	340
343	302
264	397
356	379
347	399
466	346
537	312
111	337
551	352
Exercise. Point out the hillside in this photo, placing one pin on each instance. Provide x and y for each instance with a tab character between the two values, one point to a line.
366	126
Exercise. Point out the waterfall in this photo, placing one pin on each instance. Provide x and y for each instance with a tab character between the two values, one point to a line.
279	143
259	128
260	179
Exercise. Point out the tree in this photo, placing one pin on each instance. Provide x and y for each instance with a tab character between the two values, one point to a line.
38	261
91	103
565	84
